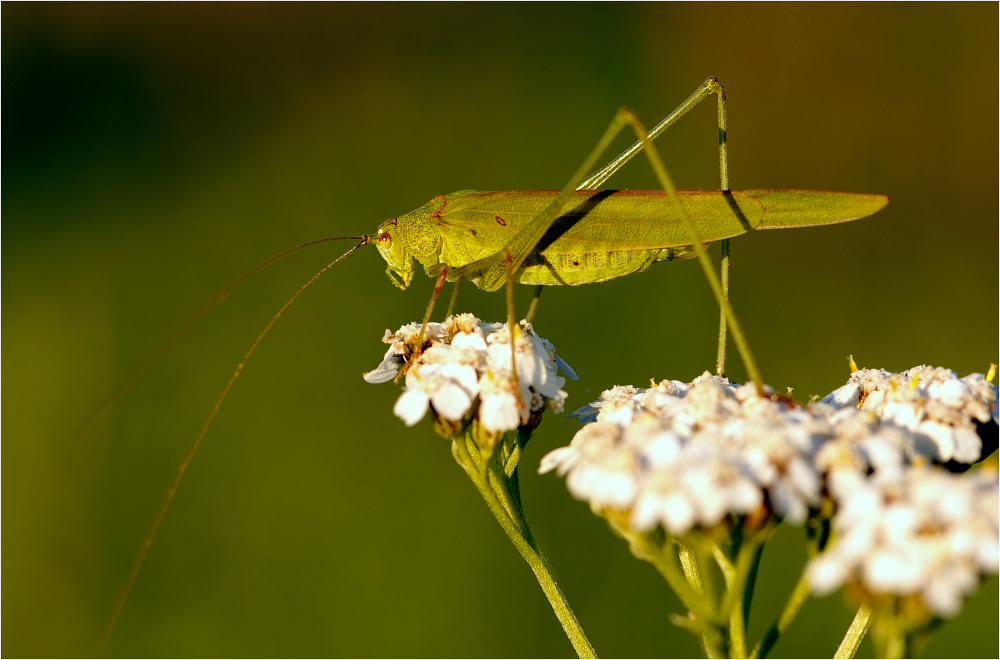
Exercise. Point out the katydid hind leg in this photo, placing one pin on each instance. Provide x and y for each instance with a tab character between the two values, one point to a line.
706	263
492	269
706	89
720	360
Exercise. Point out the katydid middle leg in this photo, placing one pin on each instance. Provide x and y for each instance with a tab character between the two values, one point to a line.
454	299
594	181
533	305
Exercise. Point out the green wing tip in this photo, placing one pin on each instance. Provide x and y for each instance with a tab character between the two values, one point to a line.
811	208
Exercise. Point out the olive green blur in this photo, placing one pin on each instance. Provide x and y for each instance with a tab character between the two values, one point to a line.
152	153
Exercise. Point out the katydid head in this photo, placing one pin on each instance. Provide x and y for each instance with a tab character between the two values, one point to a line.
387	240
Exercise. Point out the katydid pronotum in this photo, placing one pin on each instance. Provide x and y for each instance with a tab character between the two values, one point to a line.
578	235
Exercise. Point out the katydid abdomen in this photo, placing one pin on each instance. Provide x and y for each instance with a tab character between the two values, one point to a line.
605	234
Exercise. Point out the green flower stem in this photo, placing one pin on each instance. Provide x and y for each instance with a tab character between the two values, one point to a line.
852	640
512	522
795	602
683	576
736	580
703	553
665	562
751	583
511	506
520	440
515	456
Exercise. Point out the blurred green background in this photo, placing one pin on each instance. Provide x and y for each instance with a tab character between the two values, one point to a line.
154	152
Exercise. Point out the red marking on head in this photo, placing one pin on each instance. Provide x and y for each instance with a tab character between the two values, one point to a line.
501	221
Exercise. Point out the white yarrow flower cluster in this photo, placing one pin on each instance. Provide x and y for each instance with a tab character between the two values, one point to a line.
906	527
938	409
920	532
464	371
683	455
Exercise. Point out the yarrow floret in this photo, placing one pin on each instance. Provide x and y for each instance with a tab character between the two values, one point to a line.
905	527
687	456
920	532
462	372
941	411
682	455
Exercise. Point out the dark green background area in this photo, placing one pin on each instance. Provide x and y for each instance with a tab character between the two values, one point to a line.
153	152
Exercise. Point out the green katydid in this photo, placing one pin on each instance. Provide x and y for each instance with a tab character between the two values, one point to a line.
580	235
600	236
574	236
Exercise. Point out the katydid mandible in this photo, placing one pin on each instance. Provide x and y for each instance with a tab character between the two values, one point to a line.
578	235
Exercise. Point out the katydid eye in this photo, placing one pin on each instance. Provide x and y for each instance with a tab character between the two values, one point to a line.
384	238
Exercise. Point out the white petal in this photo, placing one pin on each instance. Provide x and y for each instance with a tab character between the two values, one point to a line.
968	445
565	368
387	370
843	397
499	412
562	458
451	401
946	591
892	572
586	414
411	406
952	392
463	376
938	438
988	555
677	514
900	414
826	573
663	450
745	497
873	401
467	340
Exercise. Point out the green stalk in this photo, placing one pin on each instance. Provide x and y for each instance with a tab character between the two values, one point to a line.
795	602
736	576
852	640
712	637
687	588
751	583
513	522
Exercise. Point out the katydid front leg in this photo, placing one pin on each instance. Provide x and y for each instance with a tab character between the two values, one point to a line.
430	309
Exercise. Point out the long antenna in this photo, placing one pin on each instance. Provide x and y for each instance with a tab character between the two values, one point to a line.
102	411
148	540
